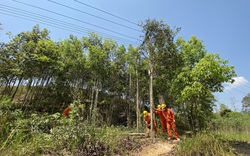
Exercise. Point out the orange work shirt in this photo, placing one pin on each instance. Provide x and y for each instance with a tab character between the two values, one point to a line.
169	115
160	113
66	112
147	118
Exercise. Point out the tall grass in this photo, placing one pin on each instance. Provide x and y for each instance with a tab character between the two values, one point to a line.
219	138
235	126
206	143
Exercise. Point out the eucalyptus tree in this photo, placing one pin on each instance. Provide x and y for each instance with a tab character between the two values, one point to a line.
72	75
134	67
48	62
22	48
7	68
98	62
246	103
158	49
116	88
200	75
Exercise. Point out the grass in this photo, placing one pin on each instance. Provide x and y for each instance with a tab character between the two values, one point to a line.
225	136
51	134
205	143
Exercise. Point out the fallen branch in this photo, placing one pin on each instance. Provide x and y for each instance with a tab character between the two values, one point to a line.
137	134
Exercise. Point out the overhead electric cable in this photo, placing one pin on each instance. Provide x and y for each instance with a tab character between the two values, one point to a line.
63	27
55	21
93	15
106	12
239	91
76	19
245	86
18	16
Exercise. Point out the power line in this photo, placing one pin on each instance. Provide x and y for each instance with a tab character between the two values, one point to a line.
30	19
246	86
241	90
76	20
93	15
53	25
60	27
54	21
106	12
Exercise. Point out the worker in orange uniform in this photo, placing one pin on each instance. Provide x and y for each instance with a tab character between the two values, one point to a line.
66	112
147	120
170	121
159	111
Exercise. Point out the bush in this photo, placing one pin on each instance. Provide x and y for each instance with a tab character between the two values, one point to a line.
52	134
232	122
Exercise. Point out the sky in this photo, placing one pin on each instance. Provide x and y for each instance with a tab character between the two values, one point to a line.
222	25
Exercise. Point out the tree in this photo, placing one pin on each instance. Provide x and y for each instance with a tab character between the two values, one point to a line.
73	75
246	104
156	47
224	110
135	68
98	61
200	75
20	51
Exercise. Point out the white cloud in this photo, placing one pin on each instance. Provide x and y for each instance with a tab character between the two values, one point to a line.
239	81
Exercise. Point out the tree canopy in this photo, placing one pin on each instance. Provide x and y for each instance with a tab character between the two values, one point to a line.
114	82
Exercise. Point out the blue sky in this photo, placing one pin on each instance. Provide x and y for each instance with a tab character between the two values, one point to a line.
223	25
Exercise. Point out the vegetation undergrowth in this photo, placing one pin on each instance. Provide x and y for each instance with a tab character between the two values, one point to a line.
226	135
205	143
51	134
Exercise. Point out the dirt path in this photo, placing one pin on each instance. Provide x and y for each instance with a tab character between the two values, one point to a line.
159	148
163	147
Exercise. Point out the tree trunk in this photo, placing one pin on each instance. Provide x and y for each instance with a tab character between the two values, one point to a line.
14	94
5	90
137	102
151	99
13	85
92	99
191	119
96	96
27	91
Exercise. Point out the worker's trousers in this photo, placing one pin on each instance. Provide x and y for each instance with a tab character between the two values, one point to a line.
163	126
155	128
171	124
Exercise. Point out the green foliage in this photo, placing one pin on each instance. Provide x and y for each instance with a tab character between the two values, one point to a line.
38	74
232	122
225	112
199	75
8	116
246	104
39	134
206	143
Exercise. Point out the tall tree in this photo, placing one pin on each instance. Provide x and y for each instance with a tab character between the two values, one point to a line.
246	104
98	61
157	45
73	73
135	68
21	49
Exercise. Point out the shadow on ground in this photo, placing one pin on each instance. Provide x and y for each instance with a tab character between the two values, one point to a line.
240	147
